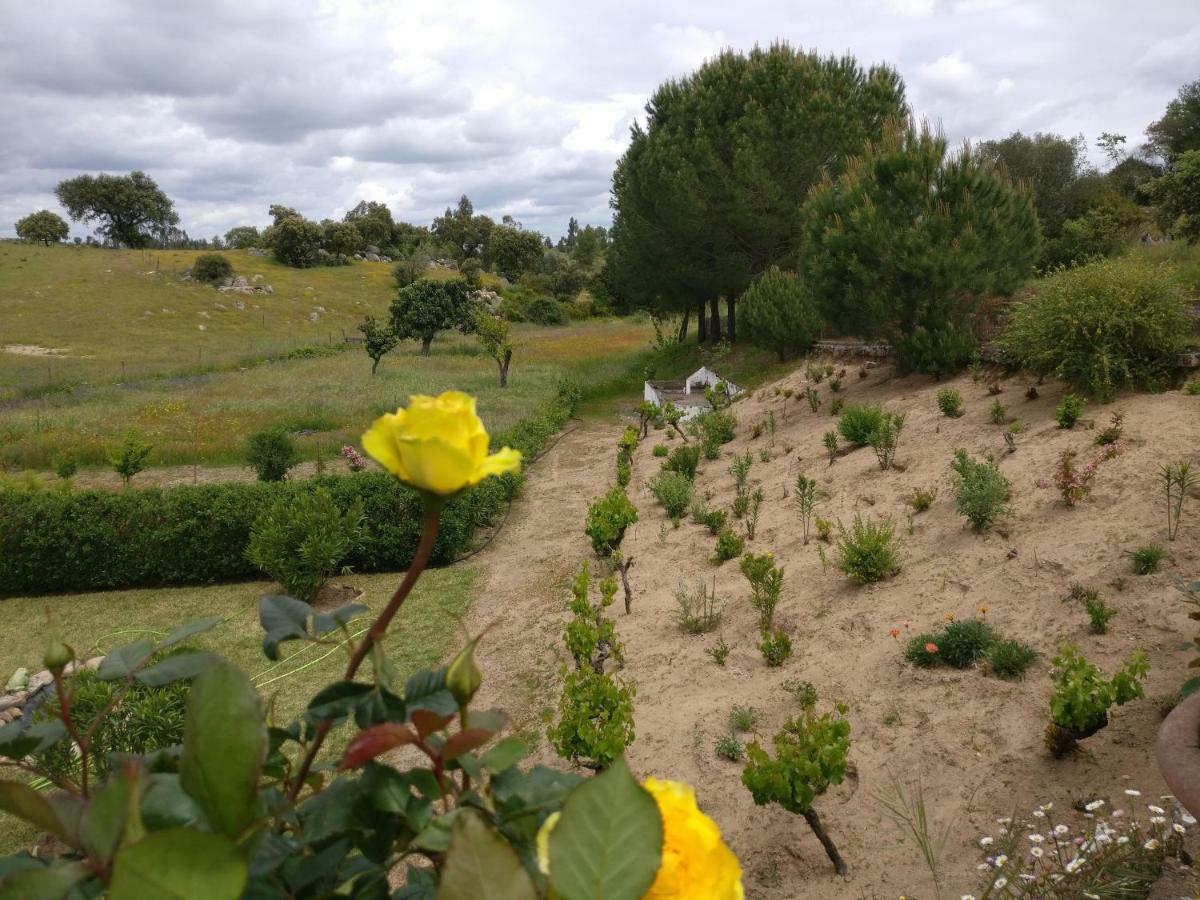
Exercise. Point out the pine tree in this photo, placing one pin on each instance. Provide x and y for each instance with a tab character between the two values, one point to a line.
780	314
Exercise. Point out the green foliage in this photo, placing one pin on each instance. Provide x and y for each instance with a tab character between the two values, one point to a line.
775	646
713	428
937	351
378	340
803	692
1146	560
1178	131
960	644
729	546
922	499
129	458
426	306
674	491
301	541
1177	196
242	236
700	610
997	413
65	466
780	314
728	747
512	252
713	519
660	450
743	718
753	508
211	268
886	437
859	422
766	586
1083	695
813	398
1102	326
683	459
607	519
595	719
1068	411
949	401
719	652
130	209
271	453
42	227
1009	659
295	241
1178	480
805	496
830	441
867	551
981	492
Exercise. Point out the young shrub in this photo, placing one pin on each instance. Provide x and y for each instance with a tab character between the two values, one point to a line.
211	268
752	512
965	642
301	540
1102	326
775	647
780	313
729	546
1192	388
1099	612
998	413
949	401
830	440
805	497
719	652
660	450
607	519
378	340
814	373
922	650
700	610
835	384
885	438
858	422
766	585
595	719
810	754
740	469
1146	560
824	529
65	466
981	492
922	499
1068	411
712	429
803	692
1074	484
730	748
836	405
743	718
813	398
674	491
1178	480
683	459
1083	696
1112	433
867	550
1010	659
270	453
130	458
624	472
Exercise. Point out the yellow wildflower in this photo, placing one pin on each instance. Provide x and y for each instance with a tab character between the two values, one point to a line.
438	444
696	864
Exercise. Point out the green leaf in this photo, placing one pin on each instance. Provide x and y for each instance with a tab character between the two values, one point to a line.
187	630
326	622
283	619
336	701
507	753
427	690
17	742
481	865
179	864
176	667
121	662
1189	687
608	843
166	805
25	803
53	882
224	744
107	814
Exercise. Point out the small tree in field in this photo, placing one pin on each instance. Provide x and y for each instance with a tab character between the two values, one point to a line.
130	458
492	332
379	340
779	313
43	227
425	307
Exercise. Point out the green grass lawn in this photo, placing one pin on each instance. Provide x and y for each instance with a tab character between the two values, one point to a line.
424	633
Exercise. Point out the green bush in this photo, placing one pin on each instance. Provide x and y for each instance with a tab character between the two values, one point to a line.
729	546
1146	560
300	541
859	422
130	458
674	491
713	428
270	453
684	459
1010	659
867	550
780	313
545	311
211	268
949	401
660	450
595	718
960	644
981	491
775	647
1083	696
1103	326
607	519
1068	411
938	352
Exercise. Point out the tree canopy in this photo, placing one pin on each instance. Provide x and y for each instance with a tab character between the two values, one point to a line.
242	236
43	227
1178	131
512	251
373	221
780	313
465	233
1177	195
130	209
425	307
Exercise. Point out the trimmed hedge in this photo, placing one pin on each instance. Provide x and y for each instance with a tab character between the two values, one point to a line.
53	541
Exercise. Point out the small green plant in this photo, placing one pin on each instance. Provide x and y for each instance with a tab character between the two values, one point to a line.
908	810
674	491
803	692
835	384
719	652
830	440
211	268
858	422
743	718
998	413
712	429
811	753
815	373
885	438
775	647
766	585
836	405
1112	433
607	519
740	469
624	472
1146	560
1178	480
595	719
684	459
981	491
65	466
1083	696
805	497
729	747
130	458
824	529
813	398
729	546
301	540
922	499
700	610
1068	411
1192	388
660	450
867	550
960	644
949	401
1099	612
1009	659
271	453
752	512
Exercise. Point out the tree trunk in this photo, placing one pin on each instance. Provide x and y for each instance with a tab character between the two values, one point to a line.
714	326
701	324
623	567
683	326
425	342
504	368
814	822
375	364
731	319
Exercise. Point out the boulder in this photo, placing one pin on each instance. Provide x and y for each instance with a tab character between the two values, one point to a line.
255	251
373	257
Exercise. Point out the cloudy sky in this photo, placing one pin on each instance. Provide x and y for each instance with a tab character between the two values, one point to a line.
236	104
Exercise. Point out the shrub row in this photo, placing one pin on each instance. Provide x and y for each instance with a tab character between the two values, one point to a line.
54	541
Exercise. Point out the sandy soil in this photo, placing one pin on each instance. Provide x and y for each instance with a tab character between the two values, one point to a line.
975	741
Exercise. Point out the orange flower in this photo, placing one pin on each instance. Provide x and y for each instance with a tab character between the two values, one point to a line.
931	647
895	632
983	610
950	617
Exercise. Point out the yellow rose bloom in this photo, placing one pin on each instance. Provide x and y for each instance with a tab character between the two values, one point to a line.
438	444
695	861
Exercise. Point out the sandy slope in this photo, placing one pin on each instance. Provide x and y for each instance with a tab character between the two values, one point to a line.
974	740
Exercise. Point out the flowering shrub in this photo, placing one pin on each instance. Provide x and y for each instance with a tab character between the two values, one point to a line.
356	460
1110	853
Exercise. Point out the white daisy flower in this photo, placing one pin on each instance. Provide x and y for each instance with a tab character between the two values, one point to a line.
1094	805
1060	830
1179	829
1130	792
1036	852
1123	839
999	861
1000	882
1036	838
1038	814
1151	844
986	841
1157	810
1074	865
1158	820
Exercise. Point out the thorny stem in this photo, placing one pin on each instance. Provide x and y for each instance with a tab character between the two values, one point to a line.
64	712
429	532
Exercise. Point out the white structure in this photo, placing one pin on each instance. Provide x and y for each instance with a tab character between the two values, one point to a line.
687	394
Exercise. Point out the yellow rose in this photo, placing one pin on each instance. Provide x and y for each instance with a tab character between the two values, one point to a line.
695	861
438	444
